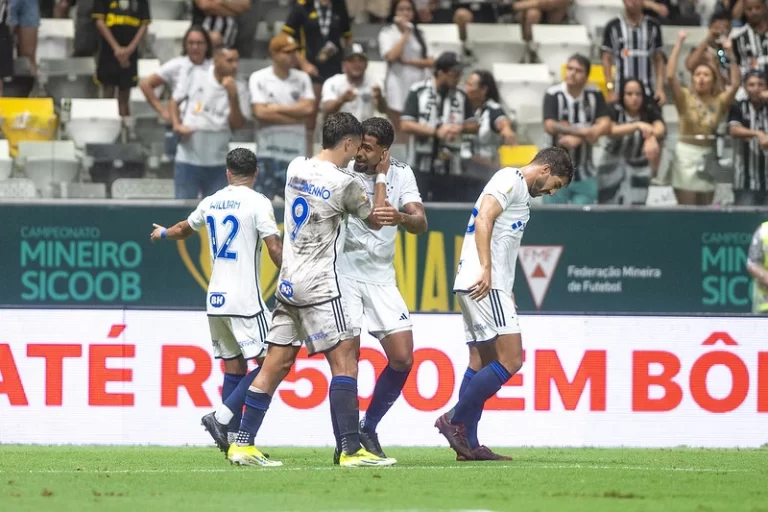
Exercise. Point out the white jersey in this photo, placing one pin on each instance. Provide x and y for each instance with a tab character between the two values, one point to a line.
318	195
362	107
369	255
509	188
238	219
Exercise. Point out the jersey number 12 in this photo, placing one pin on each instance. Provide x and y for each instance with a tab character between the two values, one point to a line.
223	250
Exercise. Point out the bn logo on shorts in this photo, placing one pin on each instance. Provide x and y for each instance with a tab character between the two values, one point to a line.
216	300
286	289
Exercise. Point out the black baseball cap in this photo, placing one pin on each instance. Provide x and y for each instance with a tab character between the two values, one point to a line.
355	49
448	61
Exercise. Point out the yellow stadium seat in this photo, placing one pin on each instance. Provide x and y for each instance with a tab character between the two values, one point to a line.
27	119
596	76
517	156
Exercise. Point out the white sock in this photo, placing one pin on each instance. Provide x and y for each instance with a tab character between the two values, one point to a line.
224	415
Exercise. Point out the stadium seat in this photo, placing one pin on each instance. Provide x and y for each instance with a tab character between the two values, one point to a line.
55	38
669	37
73	190
530	124
27	119
168	9
148	126
93	121
246	145
495	43
595	14
69	78
273	11
367	34
166	38
146	67
6	162
596	76
517	156
522	84
126	188
108	162
441	38
46	163
22	82
555	43
247	67
18	188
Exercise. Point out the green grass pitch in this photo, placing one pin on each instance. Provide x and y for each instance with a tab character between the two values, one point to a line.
39	478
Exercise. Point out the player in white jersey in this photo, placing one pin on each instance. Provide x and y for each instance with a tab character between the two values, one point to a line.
483	284
237	219
367	272
319	194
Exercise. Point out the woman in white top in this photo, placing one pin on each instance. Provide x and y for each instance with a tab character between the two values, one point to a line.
402	45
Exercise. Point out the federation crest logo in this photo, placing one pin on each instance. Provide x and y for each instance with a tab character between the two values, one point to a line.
539	263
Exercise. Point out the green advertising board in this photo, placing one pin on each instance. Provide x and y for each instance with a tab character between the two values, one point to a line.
572	260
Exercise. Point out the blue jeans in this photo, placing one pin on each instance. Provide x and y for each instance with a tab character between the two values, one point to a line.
271	178
191	180
24	13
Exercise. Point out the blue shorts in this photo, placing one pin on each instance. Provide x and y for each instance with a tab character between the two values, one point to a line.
191	180
24	13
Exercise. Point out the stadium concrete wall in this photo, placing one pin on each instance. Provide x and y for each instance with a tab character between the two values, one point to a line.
146	377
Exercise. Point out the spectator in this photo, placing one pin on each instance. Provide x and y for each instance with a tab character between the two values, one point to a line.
247	22
353	91
631	156
749	127
532	12
323	26
122	26
750	42
495	126
710	49
757	266
575	117
436	114
86	34
402	45
282	99
6	46
735	10
368	11
219	16
632	41
215	103
464	12
24	20
700	110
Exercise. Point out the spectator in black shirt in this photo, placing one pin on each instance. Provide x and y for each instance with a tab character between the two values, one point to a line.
219	16
122	25
710	49
323	29
749	126
750	42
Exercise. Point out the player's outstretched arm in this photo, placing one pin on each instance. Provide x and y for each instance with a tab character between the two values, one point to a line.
489	211
275	248
179	231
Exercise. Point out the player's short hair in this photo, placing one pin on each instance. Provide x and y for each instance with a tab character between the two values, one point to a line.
558	159
242	162
380	128
582	61
339	126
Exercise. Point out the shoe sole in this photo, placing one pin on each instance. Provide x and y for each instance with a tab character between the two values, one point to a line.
239	460
459	450
369	464
224	448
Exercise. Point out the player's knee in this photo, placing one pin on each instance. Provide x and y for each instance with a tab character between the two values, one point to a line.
533	16
512	363
402	362
462	16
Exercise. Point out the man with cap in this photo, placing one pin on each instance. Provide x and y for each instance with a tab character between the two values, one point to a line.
282	101
353	91
436	114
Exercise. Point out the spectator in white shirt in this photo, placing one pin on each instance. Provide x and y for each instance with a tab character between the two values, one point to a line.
353	91
215	103
282	99
402	45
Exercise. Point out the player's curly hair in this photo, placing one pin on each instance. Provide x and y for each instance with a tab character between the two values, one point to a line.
242	162
380	128
338	126
559	161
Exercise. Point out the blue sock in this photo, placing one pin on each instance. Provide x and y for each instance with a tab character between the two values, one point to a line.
335	425
388	387
346	409
256	405
230	383
236	399
482	387
472	425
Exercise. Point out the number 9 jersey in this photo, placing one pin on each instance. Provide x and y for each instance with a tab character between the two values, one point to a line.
238	219
318	196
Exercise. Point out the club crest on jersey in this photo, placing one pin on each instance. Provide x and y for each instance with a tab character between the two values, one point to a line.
216	300
286	289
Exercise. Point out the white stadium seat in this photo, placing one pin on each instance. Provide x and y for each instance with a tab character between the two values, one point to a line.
522	84
6	162
54	38
441	38
70	190
167	38
18	188
555	43
595	14
530	124
49	162
68	78
142	188
146	67
669	38
167	9
495	43
246	145
94	121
